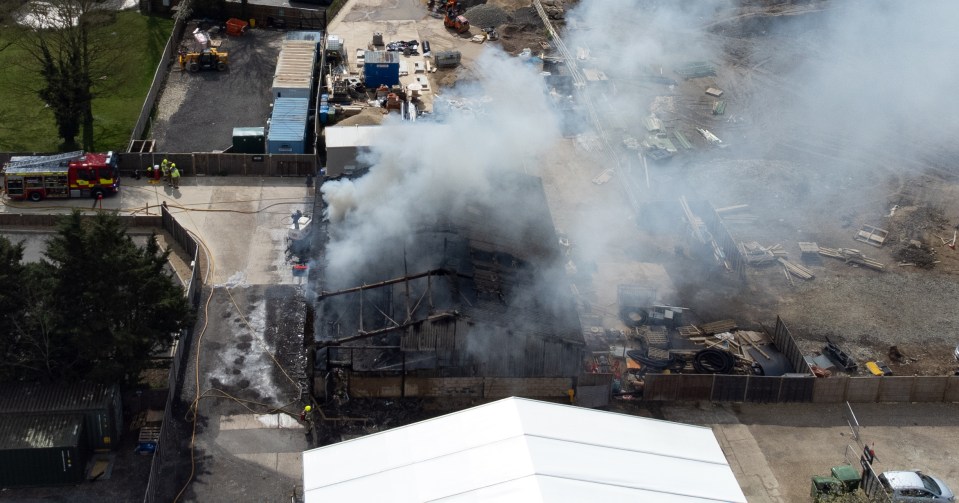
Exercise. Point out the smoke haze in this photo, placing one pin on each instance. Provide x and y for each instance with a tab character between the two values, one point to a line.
813	99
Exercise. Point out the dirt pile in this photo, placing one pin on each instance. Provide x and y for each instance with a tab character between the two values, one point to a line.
917	222
483	16
923	258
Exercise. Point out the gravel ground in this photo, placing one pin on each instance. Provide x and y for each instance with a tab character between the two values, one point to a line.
483	16
197	112
785	172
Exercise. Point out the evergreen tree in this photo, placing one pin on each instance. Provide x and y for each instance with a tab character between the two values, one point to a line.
96	308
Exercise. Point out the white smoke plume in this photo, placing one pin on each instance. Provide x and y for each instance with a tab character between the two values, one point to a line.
426	171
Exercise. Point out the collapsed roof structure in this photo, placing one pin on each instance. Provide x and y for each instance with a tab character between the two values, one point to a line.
474	292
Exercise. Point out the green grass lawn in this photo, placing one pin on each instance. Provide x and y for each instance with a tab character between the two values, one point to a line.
27	125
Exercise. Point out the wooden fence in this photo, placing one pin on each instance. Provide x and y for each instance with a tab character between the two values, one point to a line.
221	164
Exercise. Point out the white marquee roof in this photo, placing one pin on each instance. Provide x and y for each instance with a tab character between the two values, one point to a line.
525	450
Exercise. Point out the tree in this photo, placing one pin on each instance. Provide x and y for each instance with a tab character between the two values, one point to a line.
68	57
27	348
98	306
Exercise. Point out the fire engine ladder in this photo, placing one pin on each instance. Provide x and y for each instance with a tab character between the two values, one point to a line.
44	161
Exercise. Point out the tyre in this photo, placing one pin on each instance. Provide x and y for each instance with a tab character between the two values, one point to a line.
194	67
633	316
221	67
36	196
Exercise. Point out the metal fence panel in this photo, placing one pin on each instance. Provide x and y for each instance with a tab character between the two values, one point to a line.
895	389
929	389
862	389
167	443
763	389
593	396
221	164
830	390
159	77
661	387
727	388
952	390
696	387
797	389
784	340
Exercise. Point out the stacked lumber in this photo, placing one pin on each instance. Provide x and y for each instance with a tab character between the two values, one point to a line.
756	254
742	218
718	327
852	256
796	269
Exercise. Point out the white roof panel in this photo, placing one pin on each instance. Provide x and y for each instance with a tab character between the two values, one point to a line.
525	450
352	136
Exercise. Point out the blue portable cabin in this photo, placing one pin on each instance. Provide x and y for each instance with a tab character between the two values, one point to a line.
288	123
381	68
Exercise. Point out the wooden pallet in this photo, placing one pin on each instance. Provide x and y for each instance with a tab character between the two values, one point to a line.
808	248
871	235
718	327
796	269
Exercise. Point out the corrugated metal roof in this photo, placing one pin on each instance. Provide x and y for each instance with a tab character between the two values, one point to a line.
294	66
313	36
249	131
356	136
288	122
379	57
40	432
33	397
525	450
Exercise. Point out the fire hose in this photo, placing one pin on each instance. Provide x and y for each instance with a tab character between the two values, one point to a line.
713	361
673	363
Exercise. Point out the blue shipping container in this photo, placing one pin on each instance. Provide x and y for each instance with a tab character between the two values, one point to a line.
381	68
288	126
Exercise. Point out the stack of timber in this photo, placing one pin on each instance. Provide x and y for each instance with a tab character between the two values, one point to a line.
733	214
852	256
757	254
716	327
701	232
796	269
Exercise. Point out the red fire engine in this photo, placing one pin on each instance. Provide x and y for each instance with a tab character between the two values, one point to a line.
72	174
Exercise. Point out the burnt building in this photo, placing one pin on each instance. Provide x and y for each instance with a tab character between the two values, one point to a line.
474	302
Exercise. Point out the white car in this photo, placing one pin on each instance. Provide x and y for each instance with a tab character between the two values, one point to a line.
916	487
360	57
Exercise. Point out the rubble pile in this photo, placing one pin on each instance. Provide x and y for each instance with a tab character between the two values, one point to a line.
554	9
908	224
921	257
486	15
